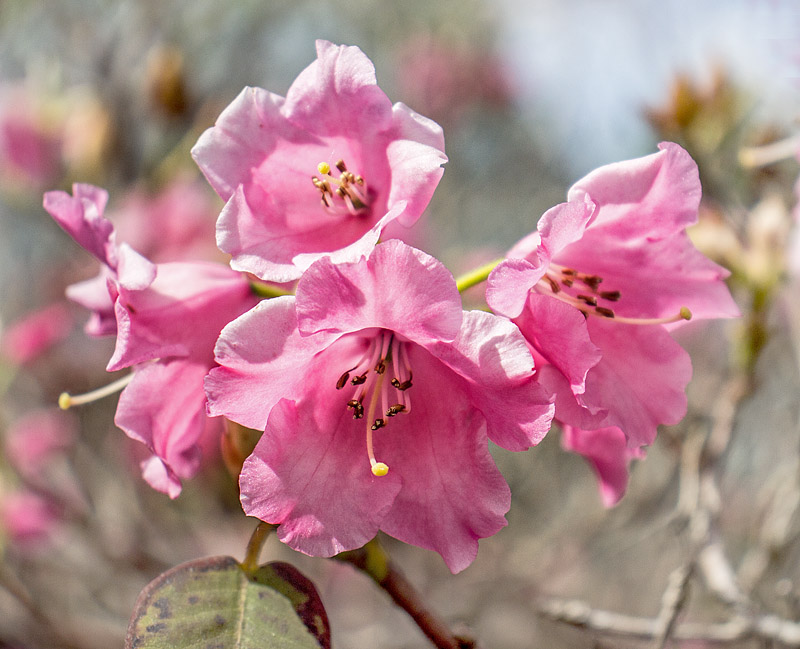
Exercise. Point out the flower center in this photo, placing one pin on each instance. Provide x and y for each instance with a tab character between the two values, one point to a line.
368	377
344	195
583	292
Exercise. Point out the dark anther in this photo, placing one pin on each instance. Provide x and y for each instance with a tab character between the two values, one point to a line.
567	282
340	166
611	296
380	368
358	409
341	192
589	299
342	380
568	271
358	380
592	281
379	423
401	386
553	285
606	313
395	409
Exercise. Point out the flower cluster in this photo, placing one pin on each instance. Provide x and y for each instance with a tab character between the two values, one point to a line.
377	393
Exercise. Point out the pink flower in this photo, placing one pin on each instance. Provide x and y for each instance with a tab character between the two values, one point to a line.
35	439
32	335
27	518
81	216
174	224
30	147
374	364
319	172
597	287
167	318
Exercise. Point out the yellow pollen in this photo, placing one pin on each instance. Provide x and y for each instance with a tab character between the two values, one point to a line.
324	168
685	313
379	469
64	401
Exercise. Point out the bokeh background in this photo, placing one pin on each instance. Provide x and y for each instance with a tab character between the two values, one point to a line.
532	94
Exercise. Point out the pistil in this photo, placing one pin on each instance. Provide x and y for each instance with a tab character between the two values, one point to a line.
386	355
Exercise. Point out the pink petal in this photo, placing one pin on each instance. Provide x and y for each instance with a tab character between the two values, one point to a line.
415	155
338	92
608	453
237	144
170	427
81	216
280	251
310	473
492	357
641	378
398	288
452	492
637	241
93	294
559	333
262	359
180	314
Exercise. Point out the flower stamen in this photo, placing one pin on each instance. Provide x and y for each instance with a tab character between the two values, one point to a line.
66	400
557	277
344	195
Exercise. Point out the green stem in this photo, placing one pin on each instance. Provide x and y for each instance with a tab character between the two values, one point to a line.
267	290
260	534
473	277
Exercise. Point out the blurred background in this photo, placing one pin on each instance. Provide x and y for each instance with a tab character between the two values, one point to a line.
532	94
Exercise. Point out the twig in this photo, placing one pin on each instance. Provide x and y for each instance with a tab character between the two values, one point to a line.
672	603
373	560
738	628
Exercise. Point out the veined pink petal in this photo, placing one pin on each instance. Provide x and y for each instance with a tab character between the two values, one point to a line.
452	492
262	358
180	314
559	333
381	292
81	216
641	378
164	409
309	472
492	357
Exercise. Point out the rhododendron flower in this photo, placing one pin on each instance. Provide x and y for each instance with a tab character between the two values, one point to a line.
34	440
597	287
167	318
319	172
29	337
378	394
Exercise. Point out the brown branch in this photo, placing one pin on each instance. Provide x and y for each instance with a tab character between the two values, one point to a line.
373	560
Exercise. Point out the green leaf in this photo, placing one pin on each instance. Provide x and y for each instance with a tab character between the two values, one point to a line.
214	604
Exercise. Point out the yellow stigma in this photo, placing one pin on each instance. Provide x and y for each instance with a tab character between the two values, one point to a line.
64	401
379	469
685	313
324	168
